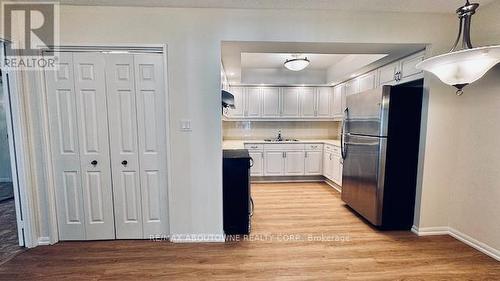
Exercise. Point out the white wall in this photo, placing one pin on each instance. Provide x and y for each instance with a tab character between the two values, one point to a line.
475	189
259	130
194	37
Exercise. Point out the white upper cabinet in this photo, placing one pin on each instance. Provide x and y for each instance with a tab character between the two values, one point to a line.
308	102
324	96
367	81
239	103
253	102
409	67
290	102
402	71
271	102
387	74
352	87
338	103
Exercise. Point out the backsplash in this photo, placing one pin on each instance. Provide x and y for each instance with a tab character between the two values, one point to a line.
258	130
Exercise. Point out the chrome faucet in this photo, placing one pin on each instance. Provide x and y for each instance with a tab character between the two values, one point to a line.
279	138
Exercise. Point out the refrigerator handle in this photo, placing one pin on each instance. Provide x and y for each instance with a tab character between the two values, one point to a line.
343	151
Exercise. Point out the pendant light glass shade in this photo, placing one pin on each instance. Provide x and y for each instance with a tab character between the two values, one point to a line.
462	67
297	64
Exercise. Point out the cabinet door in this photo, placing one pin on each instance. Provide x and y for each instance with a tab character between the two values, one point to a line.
367	81
352	87
324	96
258	163
270	102
308	102
338	103
90	90
290	102
239	103
409	66
327	165
313	162
387	74
253	103
294	163
335	167
274	163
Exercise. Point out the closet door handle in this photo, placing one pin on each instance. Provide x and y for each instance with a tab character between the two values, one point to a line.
124	162
94	162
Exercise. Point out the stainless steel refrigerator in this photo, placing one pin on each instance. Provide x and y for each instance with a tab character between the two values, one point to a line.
380	147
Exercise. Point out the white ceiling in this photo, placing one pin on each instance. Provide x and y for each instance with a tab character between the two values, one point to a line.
438	6
242	61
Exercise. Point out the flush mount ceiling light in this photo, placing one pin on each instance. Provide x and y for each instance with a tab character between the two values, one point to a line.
297	63
459	68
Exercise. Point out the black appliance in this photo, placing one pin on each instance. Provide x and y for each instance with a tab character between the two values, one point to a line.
227	99
237	201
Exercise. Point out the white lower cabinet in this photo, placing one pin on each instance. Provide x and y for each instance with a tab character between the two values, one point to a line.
312	159
313	163
294	163
332	164
274	163
257	169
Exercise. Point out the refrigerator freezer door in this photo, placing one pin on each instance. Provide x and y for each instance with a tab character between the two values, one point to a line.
363	175
367	112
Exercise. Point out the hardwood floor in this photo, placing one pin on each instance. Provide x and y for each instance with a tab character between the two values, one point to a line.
306	211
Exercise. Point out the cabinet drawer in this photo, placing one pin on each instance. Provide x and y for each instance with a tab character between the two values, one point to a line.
284	146
332	148
254	146
314	146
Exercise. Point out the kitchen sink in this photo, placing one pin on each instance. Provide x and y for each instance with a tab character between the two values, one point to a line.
283	140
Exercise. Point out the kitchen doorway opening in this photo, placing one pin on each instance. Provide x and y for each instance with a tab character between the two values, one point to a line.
12	236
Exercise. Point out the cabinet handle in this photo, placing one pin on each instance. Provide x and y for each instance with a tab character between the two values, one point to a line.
284	154
306	154
94	162
330	157
262	155
124	162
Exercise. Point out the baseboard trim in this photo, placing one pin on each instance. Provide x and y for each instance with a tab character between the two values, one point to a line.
428	231
43	241
334	185
462	237
480	246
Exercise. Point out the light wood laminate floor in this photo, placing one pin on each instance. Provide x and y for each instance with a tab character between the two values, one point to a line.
282	211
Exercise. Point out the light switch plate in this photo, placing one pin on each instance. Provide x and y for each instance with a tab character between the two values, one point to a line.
185	125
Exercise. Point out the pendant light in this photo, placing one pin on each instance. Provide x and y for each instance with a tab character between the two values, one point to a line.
297	63
459	68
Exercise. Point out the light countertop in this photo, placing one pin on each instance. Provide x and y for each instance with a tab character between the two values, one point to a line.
240	144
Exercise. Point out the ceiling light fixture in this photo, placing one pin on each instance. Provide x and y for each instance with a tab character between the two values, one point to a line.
297	63
459	68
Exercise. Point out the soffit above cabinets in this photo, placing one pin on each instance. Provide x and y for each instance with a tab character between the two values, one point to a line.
429	6
262	62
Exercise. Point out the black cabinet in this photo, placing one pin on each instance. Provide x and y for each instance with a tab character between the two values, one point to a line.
237	202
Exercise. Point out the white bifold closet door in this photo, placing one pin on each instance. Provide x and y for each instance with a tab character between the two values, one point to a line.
137	141
79	131
108	134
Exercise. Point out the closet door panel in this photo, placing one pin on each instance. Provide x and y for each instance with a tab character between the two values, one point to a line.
94	145
122	116
65	149
151	121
